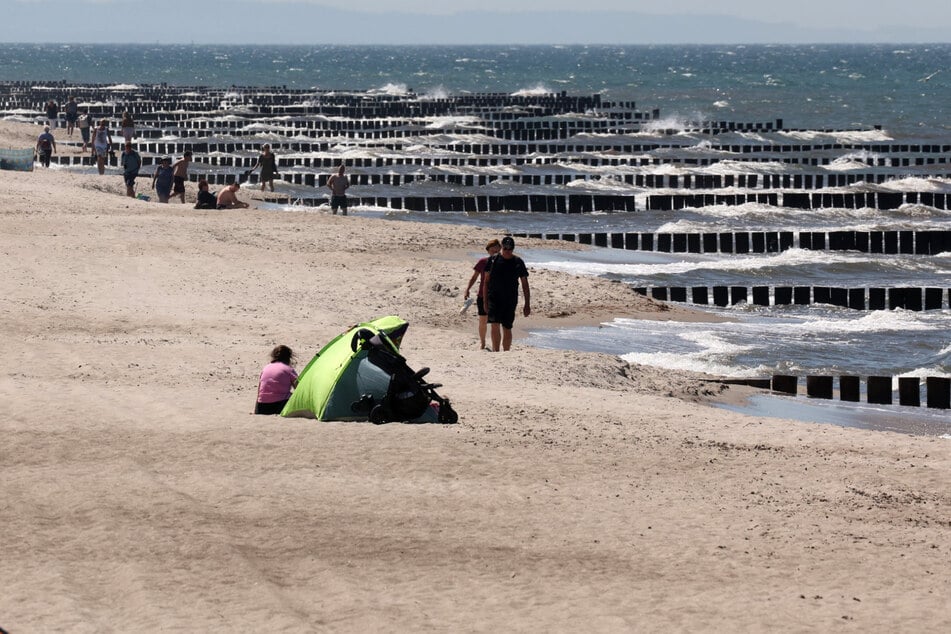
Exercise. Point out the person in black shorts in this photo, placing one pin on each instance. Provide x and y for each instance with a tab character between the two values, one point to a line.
180	175
338	185
503	272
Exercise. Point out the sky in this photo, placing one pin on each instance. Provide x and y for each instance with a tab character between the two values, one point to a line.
475	21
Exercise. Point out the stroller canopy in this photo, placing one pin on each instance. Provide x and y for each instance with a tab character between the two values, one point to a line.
341	374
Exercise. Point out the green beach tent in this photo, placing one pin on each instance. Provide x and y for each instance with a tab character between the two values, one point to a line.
339	375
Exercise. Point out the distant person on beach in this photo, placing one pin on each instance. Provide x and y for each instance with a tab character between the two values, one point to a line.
52	114
131	163
492	248
162	179
180	175
503	272
85	121
72	115
278	379
206	200
45	146
128	126
268	164
338	185
228	199
102	145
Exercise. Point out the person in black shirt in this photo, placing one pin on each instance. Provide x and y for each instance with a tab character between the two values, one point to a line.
206	200
502	276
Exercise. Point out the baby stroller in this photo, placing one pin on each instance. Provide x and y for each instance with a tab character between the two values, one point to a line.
408	396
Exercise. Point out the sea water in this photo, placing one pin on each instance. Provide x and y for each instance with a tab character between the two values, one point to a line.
822	94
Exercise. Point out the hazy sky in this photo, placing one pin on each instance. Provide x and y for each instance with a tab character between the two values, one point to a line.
474	21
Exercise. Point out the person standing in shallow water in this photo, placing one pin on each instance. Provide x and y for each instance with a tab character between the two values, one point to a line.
338	185
502	276
268	164
278	380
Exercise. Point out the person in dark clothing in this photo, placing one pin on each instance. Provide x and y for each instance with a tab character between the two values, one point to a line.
503	273
131	164
206	200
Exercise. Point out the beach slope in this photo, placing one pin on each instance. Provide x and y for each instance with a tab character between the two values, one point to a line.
577	493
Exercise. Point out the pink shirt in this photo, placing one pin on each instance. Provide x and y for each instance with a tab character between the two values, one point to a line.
276	381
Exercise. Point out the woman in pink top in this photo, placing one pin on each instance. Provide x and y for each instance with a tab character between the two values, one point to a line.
278	378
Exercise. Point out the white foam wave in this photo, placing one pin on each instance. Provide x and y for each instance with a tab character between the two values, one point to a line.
873	321
535	91
789	258
687	362
391	89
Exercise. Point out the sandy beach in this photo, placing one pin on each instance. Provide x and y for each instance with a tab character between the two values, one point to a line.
577	492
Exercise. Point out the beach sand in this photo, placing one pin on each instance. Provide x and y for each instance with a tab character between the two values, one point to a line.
577	492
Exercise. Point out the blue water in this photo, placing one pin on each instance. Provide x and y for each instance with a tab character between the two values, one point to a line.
819	89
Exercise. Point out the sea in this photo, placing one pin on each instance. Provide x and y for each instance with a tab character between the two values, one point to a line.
896	94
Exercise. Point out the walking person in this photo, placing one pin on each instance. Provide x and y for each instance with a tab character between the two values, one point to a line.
180	175
268	164
338	184
162	179
52	114
102	145
72	115
127	126
492	248
131	163
45	146
85	121
503	273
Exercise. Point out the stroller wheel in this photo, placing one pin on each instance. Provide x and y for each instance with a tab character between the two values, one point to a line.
376	415
447	415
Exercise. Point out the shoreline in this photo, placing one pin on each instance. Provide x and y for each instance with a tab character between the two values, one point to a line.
577	492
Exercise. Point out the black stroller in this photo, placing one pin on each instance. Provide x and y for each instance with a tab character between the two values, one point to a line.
407	396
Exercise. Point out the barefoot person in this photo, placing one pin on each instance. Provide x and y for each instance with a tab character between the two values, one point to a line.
45	146
492	248
268	164
502	276
180	175
278	379
131	163
338	184
102	145
228	199
162	179
85	121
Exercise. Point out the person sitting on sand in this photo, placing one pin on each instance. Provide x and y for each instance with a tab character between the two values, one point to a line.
277	381
227	198
206	200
